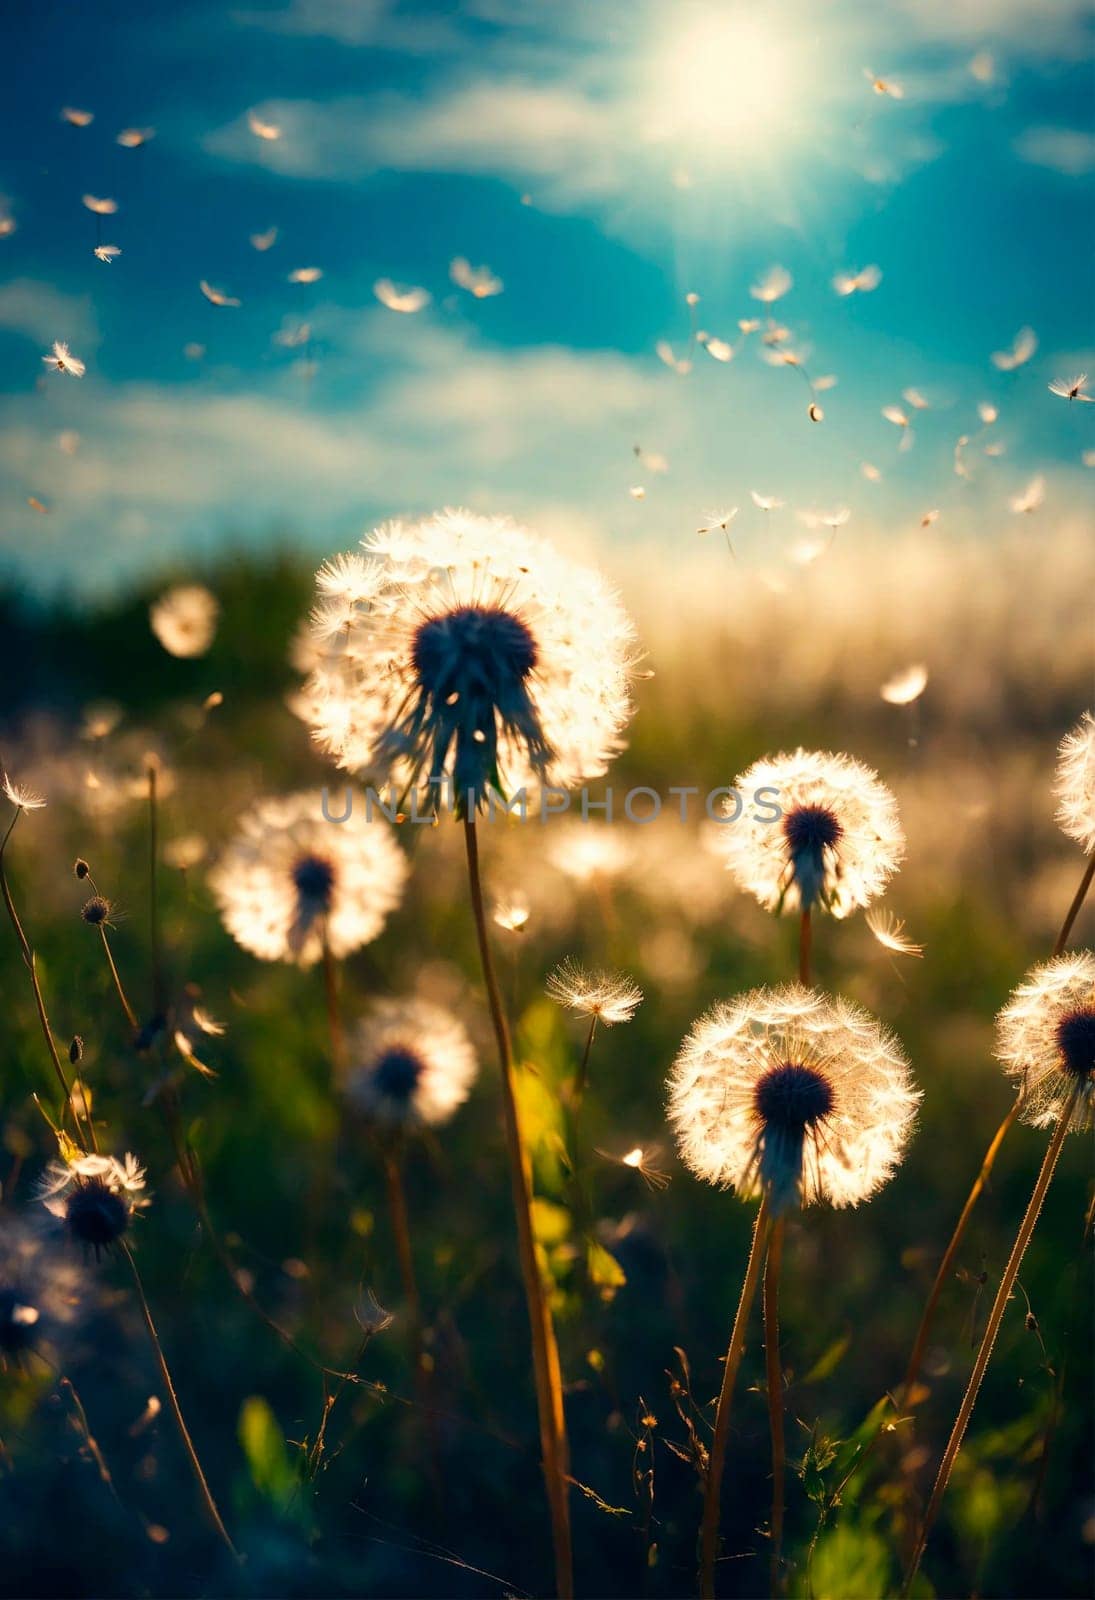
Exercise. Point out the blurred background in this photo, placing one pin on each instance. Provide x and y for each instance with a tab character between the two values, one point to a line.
609	364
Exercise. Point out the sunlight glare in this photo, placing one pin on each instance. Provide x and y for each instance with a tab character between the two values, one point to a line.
727	76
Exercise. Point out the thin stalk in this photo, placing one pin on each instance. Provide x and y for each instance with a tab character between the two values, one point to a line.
545	1352
712	1502
805	947
1074	909
130	1014
582	1078
943	1274
397	1205
774	1383
87	1139
209	1504
158	997
334	1010
988	1339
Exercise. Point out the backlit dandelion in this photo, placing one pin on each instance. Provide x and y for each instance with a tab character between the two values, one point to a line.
512	913
61	359
774	284
1072	388
411	1064
859	281
184	620
291	885
1074	785
884	86
96	1198
482	659
134	138
607	997
1045	1040
305	274
766	502
262	128
77	118
836	844
20	795
217	297
1030	498
106	252
789	1093
263	241
101	206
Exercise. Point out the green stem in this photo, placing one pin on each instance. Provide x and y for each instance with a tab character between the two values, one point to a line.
774	1384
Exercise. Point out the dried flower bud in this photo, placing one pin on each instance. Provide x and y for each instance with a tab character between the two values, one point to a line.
81	868
76	1049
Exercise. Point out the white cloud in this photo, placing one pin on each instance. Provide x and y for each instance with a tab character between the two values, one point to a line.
1070	151
43	313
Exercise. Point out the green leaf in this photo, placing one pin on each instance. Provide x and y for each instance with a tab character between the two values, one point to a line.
605	1272
263	1445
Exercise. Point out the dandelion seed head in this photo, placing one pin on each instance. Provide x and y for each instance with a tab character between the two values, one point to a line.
512	913
290	882
412	1064
1045	1040
61	359
96	1197
184	620
1072	388
1074	785
20	795
608	996
481	658
790	1093
836	845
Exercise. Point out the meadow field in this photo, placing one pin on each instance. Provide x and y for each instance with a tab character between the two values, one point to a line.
360	1398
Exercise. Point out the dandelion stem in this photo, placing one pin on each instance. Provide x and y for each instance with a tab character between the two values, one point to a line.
943	1274
545	1352
397	1205
1074	909
709	1532
31	964
805	946
208	1502
334	1010
131	1015
158	998
988	1339
583	1070
774	1383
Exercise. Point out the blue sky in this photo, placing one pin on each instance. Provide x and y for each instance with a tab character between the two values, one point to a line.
605	160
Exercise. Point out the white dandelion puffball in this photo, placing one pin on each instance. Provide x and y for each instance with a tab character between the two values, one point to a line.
184	620
412	1064
96	1197
463	650
837	840
1075	783
609	997
1045	1039
793	1094
291	883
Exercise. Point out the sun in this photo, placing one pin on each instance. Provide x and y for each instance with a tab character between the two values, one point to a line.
725	78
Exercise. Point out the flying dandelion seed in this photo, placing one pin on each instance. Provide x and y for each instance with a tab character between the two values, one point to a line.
609	997
637	492
184	620
216	297
264	241
512	913
774	284
861	281
642	1161
305	275
106	252
261	128
1072	388
884	86
905	686
1045	1040
814	412
870	472
480	282
837	843
76	118
483	659
930	517
766	502
100	207
900	420
1022	348
890	932
24	798
96	1198
718	522
983	67
134	138
293	334
988	413
398	297
37	505
411	1065
1074	783
1030	498
718	349
652	460
789	1093
825	519
291	885
666	354
916	399
62	360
